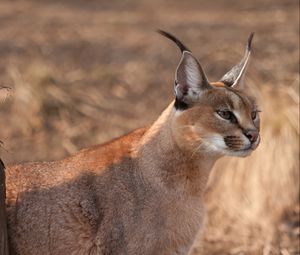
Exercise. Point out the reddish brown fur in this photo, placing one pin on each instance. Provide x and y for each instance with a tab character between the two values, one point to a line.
218	84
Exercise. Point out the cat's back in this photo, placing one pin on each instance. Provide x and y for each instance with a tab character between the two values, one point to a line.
94	160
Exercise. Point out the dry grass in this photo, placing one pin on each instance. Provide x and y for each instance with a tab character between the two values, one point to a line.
82	74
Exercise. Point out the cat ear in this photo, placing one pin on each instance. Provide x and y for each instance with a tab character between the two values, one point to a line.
235	77
190	80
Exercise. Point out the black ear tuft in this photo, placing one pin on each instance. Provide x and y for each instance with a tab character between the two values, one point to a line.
249	43
181	46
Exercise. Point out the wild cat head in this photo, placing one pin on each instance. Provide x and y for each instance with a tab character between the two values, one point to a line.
219	117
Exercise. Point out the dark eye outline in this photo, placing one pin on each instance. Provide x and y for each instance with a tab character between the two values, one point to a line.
224	114
254	114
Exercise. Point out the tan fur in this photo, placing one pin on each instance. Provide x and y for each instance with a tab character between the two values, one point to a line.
218	84
138	194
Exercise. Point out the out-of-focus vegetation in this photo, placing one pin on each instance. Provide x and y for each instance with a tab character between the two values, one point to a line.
83	72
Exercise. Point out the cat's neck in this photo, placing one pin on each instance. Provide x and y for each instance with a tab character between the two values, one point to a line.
163	160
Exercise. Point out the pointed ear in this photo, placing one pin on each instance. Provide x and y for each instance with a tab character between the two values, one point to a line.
190	80
235	77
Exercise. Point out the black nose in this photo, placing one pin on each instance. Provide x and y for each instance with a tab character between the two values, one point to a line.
251	134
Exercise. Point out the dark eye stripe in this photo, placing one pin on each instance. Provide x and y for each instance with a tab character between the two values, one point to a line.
233	119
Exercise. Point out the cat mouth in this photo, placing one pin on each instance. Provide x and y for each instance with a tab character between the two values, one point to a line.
234	144
236	147
247	150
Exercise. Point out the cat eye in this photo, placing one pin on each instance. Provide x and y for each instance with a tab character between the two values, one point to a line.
254	114
227	115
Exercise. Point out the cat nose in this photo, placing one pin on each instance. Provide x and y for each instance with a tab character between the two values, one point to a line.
251	134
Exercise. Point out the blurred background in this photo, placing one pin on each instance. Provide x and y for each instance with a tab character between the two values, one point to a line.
83	72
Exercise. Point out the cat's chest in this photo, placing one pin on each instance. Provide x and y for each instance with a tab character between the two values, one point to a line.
183	220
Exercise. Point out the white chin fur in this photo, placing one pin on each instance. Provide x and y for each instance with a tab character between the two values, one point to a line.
240	153
215	143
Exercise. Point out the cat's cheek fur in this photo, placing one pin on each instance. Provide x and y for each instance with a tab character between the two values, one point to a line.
216	143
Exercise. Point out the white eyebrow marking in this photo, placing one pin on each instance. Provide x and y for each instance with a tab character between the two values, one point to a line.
237	115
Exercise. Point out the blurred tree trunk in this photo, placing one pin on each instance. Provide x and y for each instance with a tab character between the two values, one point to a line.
3	223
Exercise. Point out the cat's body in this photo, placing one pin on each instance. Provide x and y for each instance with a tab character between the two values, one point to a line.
139	194
113	202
